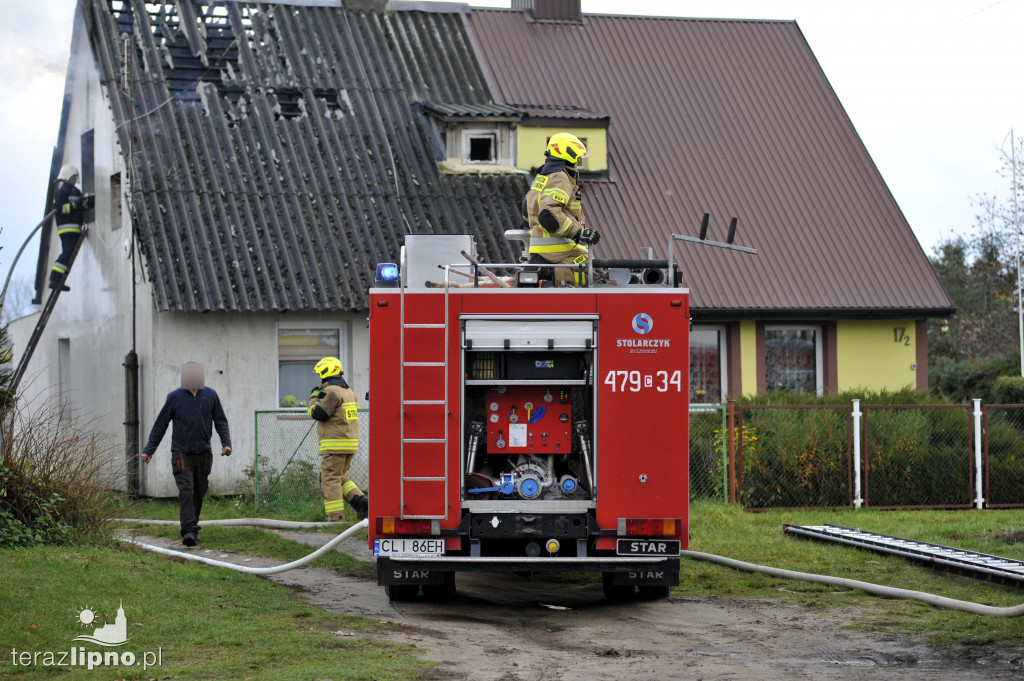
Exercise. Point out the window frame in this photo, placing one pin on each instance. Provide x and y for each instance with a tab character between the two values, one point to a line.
493	133
819	364
723	359
344	329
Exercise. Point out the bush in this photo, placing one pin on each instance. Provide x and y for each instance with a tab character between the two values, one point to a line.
55	480
1008	390
966	379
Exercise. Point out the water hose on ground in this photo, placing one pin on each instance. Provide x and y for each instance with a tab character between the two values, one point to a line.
253	522
868	587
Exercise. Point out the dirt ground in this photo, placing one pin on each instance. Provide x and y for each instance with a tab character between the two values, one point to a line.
508	628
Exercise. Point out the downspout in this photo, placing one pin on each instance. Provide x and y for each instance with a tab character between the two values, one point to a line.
133	472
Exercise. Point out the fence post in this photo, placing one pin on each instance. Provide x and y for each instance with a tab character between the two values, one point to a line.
725	455
256	461
731	444
858	500
979	501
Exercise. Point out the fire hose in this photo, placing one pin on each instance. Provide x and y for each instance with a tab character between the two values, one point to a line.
867	587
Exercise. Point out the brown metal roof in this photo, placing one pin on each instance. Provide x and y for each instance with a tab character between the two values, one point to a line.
732	118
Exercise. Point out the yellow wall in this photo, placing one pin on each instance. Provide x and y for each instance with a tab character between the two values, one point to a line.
748	357
876	354
531	142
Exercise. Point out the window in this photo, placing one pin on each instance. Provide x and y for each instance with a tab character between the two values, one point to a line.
115	201
793	359
63	378
707	364
298	351
480	146
88	184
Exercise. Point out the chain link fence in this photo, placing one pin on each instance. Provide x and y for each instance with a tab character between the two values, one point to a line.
709	467
1004	455
794	456
918	456
285	474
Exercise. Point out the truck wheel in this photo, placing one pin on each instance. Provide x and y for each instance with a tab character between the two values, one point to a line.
441	593
402	592
653	593
617	593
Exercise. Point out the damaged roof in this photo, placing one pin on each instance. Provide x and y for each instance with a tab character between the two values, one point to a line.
280	151
733	118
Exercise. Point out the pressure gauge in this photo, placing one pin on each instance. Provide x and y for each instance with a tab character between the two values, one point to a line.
494	418
494	406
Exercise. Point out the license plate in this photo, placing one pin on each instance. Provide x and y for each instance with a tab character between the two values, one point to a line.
647	547
408	547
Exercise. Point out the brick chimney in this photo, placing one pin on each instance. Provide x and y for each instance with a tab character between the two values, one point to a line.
551	10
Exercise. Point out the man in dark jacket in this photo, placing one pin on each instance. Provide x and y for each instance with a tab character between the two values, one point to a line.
195	411
70	205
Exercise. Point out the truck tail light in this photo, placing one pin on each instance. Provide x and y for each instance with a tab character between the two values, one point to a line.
650	527
414	527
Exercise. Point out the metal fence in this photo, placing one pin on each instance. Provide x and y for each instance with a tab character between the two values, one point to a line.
285	474
709	458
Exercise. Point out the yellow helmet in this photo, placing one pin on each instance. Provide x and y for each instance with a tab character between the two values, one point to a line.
566	147
327	367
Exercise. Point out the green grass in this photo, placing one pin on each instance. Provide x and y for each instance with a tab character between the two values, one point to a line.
207	624
758	538
219	508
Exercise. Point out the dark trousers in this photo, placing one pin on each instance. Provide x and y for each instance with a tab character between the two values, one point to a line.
191	472
67	244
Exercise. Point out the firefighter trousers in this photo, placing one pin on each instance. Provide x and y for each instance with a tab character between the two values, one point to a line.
566	276
191	475
68	239
335	484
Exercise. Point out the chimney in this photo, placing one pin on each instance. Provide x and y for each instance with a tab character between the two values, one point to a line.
551	10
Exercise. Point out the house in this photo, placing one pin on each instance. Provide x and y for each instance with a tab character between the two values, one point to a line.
252	163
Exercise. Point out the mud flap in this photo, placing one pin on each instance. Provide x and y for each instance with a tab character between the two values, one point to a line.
664	574
391	574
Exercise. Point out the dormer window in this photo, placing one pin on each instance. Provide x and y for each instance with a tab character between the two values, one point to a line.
479	146
477	138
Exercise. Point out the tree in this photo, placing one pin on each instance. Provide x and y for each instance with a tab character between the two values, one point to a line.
18	302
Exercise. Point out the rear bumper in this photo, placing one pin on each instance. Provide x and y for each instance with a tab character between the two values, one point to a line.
421	570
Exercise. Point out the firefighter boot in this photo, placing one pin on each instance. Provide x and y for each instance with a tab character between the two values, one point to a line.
362	506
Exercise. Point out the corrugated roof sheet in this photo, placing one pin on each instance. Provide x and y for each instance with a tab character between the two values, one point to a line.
732	118
278	151
471	110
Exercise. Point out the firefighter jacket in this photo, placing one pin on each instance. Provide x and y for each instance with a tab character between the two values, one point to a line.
71	207
554	208
337	415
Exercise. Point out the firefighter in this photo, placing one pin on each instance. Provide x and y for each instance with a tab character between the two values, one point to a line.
554	208
333	405
70	205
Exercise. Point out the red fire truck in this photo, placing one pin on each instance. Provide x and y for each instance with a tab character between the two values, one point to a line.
526	429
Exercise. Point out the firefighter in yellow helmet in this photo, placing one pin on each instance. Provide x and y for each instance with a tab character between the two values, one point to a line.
554	209
333	405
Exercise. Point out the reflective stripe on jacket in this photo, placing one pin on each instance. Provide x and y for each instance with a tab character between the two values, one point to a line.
340	432
559	194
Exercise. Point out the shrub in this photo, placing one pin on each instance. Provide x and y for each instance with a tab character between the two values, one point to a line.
961	380
1008	390
56	477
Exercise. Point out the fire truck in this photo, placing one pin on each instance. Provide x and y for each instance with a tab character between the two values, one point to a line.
525	428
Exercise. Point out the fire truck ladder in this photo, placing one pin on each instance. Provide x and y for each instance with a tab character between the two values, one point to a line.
441	402
969	562
44	317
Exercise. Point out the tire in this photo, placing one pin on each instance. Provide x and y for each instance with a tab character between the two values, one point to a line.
653	593
617	593
402	592
441	593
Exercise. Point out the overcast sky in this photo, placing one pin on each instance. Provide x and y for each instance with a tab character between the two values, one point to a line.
932	86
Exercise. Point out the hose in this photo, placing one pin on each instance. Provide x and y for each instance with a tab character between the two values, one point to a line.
867	587
243	568
874	589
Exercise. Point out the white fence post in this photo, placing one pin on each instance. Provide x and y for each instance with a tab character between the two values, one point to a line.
979	501
858	501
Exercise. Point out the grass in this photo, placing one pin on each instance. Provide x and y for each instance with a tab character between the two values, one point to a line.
206	624
758	538
219	508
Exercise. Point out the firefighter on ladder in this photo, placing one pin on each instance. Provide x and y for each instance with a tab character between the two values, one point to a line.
554	209
333	405
70	205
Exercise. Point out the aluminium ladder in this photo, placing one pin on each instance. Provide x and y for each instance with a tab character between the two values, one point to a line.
971	562
411	368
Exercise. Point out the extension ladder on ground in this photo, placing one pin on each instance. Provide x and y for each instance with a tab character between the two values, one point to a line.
44	317
424	446
971	562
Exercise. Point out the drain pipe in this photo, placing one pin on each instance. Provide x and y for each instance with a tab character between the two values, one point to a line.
259	522
868	587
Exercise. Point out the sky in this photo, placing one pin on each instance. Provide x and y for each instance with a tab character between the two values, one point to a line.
933	87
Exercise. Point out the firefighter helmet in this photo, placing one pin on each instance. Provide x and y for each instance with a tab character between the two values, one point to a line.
566	147
67	171
327	367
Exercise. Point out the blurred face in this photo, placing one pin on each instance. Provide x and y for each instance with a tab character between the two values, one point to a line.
193	377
